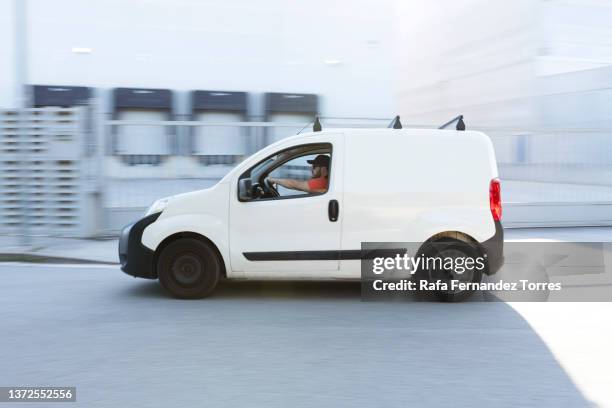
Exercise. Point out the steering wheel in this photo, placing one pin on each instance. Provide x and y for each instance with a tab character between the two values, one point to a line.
270	189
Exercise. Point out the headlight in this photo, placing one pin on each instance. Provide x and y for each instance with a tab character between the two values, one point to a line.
157	206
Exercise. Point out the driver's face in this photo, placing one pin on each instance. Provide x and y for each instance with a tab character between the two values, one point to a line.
316	172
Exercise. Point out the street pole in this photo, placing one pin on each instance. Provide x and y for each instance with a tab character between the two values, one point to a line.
21	78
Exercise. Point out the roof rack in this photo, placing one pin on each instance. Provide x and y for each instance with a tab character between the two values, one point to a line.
460	123
395	123
316	126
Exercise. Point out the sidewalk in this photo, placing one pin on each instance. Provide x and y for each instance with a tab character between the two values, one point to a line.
59	250
71	250
563	234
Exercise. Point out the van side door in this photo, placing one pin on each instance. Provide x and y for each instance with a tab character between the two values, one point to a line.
294	235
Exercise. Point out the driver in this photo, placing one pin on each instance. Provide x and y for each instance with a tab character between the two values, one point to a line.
317	184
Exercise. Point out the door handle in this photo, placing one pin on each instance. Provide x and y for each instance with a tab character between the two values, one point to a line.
333	210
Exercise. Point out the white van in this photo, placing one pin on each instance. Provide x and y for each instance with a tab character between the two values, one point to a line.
383	185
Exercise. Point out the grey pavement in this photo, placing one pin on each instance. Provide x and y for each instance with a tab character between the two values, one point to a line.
91	250
105	250
123	343
564	234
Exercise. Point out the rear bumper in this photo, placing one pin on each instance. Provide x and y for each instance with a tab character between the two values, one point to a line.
136	259
494	249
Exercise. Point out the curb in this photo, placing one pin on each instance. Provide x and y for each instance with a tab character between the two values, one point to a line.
34	258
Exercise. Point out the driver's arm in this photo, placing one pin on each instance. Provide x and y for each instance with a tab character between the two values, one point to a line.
300	185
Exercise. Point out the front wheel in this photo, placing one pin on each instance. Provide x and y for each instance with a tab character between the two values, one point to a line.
189	268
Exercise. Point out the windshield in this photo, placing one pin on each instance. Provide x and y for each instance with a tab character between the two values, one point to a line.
255	171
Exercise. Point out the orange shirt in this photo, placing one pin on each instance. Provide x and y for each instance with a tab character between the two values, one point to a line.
318	184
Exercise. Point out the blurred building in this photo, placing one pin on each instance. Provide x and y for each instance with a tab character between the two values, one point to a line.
536	76
339	50
161	62
506	63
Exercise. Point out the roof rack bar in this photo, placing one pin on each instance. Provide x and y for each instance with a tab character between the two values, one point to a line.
316	126
460	123
395	123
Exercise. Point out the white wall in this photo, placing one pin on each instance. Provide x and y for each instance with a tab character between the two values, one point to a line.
489	59
263	46
472	57
575	35
8	87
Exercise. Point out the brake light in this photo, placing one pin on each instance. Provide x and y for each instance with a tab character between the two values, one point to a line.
495	199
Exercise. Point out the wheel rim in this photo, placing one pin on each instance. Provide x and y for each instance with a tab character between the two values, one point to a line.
187	269
446	275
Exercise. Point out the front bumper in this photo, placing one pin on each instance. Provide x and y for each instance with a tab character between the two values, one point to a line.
136	259
494	249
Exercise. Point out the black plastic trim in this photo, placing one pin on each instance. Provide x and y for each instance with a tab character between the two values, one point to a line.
347	254
333	210
494	249
135	258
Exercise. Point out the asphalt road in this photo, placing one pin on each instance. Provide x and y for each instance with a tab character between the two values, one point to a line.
123	343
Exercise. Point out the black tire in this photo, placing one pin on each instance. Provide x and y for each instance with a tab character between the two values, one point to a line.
189	268
442	249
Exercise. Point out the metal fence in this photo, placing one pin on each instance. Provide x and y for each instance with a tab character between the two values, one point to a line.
68	172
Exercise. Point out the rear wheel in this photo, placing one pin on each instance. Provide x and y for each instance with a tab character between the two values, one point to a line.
189	268
454	250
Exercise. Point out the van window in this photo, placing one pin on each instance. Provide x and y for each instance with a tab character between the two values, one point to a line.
300	171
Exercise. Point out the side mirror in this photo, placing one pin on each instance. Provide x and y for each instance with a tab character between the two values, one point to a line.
245	189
